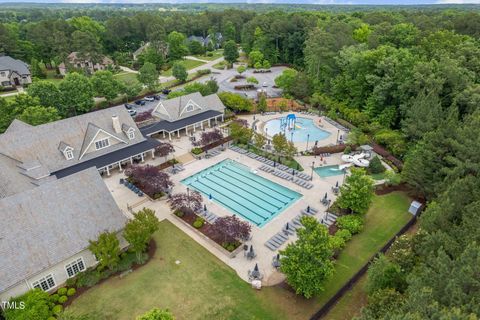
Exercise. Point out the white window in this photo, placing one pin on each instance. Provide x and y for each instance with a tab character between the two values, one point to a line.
131	134
75	267
46	283
189	108
69	154
3	74
100	144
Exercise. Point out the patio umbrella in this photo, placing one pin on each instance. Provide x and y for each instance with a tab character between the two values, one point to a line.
287	226
308	209
210	196
336	185
205	207
325	197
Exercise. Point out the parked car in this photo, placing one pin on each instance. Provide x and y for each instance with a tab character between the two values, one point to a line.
149	98
132	112
129	106
166	91
140	102
265	84
157	97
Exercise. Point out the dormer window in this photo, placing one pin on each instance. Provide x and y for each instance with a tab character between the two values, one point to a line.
68	154
189	108
131	134
101	144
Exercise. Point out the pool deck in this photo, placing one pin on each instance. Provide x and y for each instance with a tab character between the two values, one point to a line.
124	197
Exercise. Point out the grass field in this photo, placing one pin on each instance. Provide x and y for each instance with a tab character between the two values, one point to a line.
127	77
202	287
215	55
189	64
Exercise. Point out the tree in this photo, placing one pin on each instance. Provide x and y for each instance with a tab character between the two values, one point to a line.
357	192
157	314
235	102
384	274
266	64
376	166
286	80
262	103
280	143
140	229
47	93
252	80
131	89
195	47
39	115
230	51
255	57
307	263
240	133
176	45
259	140
150	179
106	250
230	229
241	69
105	85
187	203
36	306
151	55
36	70
164	149
179	71
148	75
209	137
77	93
86	46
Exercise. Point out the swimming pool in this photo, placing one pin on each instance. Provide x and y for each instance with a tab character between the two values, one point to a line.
235	187
329	171
303	128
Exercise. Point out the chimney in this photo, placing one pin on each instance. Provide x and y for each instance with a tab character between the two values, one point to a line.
116	124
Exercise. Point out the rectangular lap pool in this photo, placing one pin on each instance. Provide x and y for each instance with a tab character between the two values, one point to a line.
246	194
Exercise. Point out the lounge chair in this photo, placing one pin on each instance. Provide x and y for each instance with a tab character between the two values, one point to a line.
282	236
271	246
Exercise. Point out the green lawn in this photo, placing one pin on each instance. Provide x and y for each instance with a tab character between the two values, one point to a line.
215	55
200	287
221	65
351	303
189	64
127	77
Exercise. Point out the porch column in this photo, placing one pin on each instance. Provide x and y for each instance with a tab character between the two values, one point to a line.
164	134
216	120
108	171
178	133
143	158
194	127
222	117
153	153
170	136
201	125
209	122
131	160
119	166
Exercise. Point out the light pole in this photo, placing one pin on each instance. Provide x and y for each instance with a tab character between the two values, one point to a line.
188	191
313	165
338	133
291	137
308	137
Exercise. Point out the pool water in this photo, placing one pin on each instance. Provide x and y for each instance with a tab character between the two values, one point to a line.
235	187
328	171
304	129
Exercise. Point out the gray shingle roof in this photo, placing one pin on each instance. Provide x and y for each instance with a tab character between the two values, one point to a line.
8	63
48	224
175	109
41	143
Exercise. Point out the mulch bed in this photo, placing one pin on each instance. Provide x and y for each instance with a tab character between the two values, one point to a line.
152	248
384	189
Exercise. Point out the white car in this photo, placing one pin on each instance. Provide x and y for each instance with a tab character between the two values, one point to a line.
265	84
149	98
132	112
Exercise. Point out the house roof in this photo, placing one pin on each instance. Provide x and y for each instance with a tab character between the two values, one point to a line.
8	63
73	57
176	109
46	225
41	143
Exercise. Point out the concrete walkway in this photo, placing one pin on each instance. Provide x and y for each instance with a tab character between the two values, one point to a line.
196	59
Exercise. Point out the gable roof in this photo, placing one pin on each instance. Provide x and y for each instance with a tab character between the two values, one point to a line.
73	57
17	125
175	109
8	63
41	143
50	223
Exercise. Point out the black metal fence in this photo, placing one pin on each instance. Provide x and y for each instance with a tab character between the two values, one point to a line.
347	286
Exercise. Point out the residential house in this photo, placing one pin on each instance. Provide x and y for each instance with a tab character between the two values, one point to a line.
76	62
140	50
13	72
216	40
103	139
46	228
187	112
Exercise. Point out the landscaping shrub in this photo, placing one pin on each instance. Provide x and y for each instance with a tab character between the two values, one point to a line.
126	262
158	195
71	282
376	166
198	223
344	234
229	246
348	149
88	278
337	242
71	292
196	150
62	299
57	309
352	222
179	213
54	297
62	291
